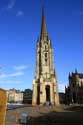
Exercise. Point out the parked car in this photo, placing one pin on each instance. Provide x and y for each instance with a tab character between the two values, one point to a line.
23	119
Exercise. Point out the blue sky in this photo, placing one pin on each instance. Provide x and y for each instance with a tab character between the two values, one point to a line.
20	23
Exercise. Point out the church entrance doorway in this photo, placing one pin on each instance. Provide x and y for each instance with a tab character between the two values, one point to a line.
47	93
38	94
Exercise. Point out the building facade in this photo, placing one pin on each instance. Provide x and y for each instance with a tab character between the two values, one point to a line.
62	98
45	88
27	96
74	91
15	96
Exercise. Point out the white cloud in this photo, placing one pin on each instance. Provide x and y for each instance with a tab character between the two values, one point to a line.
21	67
61	88
16	74
20	13
81	12
3	75
10	82
11	4
1	67
78	12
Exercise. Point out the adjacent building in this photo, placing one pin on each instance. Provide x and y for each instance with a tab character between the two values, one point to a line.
15	96
62	98
3	105
45	86
27	96
74	91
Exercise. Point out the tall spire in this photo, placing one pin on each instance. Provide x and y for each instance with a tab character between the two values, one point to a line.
43	25
76	71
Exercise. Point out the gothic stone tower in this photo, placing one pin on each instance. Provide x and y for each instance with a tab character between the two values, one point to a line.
45	81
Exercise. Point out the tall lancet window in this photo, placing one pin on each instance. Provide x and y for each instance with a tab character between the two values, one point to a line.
45	55
46	46
46	58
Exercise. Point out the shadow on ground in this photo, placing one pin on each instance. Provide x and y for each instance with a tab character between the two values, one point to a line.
72	115
75	108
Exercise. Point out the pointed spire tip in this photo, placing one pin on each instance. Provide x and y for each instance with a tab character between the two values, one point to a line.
43	25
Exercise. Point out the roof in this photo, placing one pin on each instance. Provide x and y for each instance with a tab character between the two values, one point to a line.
81	75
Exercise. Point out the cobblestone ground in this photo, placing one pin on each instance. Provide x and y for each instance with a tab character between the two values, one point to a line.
46	116
13	115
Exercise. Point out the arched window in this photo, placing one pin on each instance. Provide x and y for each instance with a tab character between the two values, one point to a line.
45	47
46	60
45	55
